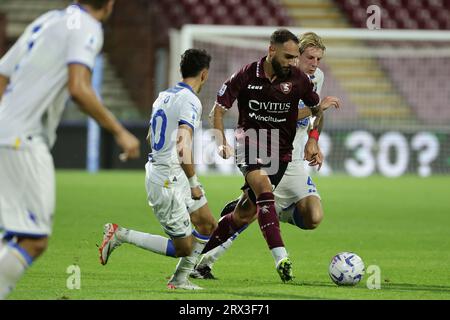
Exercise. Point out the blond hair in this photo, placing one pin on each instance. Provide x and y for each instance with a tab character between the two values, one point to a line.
310	39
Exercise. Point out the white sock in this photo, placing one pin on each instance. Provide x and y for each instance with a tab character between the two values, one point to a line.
147	241
279	253
213	255
13	263
186	264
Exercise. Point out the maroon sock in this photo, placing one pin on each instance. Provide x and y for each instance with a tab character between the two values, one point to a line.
268	220
225	229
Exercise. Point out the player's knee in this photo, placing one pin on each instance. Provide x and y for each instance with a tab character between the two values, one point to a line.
314	219
311	225
40	246
212	226
34	247
245	213
207	228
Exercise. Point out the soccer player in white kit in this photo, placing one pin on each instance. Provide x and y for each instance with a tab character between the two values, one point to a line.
297	200
51	61
173	189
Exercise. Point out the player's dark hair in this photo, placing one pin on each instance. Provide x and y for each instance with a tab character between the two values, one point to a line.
193	61
96	4
281	36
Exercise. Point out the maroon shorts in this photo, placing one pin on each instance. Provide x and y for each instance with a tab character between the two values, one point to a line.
274	178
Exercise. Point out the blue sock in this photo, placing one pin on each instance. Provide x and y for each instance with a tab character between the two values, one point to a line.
170	251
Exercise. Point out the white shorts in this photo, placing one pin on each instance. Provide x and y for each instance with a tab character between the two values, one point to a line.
27	190
295	185
172	205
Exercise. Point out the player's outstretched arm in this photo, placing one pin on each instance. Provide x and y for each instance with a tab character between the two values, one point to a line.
318	109
328	102
312	151
323	106
81	90
216	119
186	159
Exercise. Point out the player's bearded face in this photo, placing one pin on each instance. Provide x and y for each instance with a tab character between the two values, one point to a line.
280	71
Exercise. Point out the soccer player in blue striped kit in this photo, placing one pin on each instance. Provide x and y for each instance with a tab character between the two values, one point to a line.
173	189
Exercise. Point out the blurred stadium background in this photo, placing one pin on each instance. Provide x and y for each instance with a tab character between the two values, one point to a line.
394	86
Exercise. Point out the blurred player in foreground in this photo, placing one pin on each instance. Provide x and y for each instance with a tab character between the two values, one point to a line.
172	186
297	200
52	60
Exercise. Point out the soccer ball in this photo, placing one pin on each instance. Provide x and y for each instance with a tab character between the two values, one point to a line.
346	269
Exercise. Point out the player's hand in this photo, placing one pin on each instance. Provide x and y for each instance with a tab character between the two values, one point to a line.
196	193
225	151
129	144
317	160
311	149
328	102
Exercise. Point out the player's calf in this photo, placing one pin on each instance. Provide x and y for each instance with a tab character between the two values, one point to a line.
183	246
313	223
203	220
308	213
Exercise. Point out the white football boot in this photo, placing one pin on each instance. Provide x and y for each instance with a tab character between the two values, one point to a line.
182	284
110	242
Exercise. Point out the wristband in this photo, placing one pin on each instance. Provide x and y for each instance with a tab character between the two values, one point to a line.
193	181
314	133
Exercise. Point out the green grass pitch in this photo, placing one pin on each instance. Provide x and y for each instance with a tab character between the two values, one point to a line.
401	225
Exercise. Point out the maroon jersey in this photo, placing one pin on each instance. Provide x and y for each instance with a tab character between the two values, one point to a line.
268	105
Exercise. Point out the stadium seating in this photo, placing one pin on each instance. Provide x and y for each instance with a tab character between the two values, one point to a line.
400	14
424	86
19	13
224	12
428	99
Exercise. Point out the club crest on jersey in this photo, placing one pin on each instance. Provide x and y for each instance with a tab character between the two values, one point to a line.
286	87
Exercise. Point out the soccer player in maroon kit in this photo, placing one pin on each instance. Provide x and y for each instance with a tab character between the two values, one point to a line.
268	92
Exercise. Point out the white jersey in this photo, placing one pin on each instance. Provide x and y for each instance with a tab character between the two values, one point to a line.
37	68
173	107
296	183
304	124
